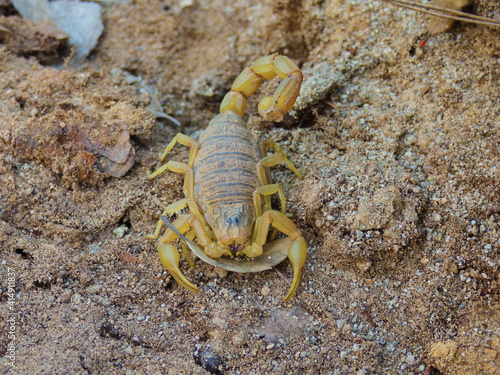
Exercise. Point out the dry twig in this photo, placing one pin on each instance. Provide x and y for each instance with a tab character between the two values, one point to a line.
445	12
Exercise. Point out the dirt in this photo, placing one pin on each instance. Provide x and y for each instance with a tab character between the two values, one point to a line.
397	130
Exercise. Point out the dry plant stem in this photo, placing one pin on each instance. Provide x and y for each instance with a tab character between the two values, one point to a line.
445	13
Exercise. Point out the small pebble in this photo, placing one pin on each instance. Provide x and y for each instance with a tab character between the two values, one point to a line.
344	353
129	350
209	360
410	359
265	291
93	248
93	289
120	231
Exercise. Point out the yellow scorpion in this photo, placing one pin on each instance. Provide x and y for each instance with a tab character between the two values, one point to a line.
228	188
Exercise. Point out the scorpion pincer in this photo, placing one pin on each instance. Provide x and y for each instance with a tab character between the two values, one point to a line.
228	188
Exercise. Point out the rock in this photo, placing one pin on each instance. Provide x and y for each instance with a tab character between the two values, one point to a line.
377	212
80	20
209	360
443	352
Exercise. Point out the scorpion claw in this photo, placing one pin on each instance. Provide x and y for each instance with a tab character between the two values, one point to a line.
169	257
253	251
297	253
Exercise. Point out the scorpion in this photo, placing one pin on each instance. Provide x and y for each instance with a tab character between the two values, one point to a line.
228	187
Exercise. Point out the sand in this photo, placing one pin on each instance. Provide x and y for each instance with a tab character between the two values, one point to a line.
397	130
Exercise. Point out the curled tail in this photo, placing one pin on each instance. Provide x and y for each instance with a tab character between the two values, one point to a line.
271	108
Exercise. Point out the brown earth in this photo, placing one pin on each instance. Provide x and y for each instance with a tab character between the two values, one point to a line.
400	204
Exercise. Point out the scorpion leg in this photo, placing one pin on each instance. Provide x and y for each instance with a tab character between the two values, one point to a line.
268	143
297	251
271	108
186	141
178	167
182	226
193	220
175	207
266	191
270	161
190	236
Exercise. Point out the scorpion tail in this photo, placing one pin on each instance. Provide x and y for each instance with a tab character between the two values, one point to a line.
169	257
271	108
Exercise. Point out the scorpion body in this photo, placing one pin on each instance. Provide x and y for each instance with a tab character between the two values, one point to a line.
227	184
225	178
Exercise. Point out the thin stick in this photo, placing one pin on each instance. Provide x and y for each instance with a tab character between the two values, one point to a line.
445	12
174	229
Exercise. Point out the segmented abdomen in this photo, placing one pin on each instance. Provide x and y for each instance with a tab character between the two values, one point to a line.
225	167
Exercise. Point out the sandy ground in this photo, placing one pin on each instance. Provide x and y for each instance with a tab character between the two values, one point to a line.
400	204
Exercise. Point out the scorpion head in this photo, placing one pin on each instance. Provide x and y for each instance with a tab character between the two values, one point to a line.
233	226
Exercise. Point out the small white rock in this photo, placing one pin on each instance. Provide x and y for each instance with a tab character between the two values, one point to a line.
265	291
120	231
